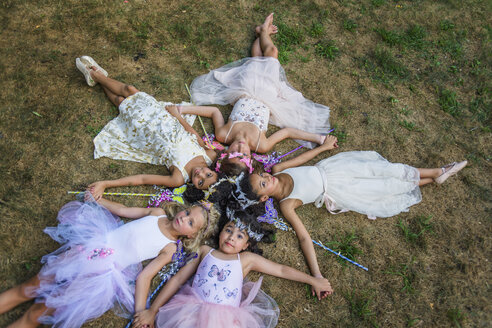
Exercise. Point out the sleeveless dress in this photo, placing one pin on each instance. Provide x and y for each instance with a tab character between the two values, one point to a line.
217	298
145	132
359	181
263	79
96	267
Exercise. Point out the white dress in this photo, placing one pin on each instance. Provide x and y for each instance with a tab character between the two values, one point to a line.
145	132
96	267
359	181
263	79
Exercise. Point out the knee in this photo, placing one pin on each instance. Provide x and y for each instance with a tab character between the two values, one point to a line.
129	90
271	52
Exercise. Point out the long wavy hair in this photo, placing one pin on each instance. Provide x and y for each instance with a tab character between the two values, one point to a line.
205	232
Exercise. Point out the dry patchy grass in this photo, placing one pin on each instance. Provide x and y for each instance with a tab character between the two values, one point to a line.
409	79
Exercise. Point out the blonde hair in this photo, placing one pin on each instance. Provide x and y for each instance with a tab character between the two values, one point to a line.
207	230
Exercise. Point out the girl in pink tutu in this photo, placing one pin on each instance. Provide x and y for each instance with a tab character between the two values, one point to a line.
218	296
98	265
258	89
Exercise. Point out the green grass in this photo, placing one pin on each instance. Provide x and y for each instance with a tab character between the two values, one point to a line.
413	37
287	39
449	103
316	30
456	317
360	306
418	226
384	67
327	49
349	25
408	276
346	246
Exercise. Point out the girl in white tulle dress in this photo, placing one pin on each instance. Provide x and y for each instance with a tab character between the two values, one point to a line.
359	181
218	296
260	93
146	132
97	266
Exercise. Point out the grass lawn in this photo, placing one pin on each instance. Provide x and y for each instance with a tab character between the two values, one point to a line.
408	79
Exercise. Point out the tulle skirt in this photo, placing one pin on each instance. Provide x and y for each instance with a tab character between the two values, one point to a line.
365	182
80	281
262	78
187	310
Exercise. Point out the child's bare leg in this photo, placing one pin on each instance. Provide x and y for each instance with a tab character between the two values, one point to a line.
30	318
266	43
115	90
9	299
256	48
428	175
292	133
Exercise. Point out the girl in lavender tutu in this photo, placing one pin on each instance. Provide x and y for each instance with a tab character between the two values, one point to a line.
218	296
98	265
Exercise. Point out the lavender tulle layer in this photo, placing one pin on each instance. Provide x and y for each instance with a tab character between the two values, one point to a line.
263	79
81	280
187	310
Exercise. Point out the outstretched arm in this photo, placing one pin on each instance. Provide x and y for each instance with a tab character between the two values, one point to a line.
174	180
259	263
144	279
330	143
147	317
210	112
129	212
287	207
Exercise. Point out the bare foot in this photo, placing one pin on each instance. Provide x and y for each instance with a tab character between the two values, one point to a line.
267	24
273	29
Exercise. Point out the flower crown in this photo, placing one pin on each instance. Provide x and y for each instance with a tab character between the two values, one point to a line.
244	159
240	196
242	226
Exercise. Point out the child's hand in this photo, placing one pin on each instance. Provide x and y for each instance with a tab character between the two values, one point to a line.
144	319
173	110
331	142
321	287
96	189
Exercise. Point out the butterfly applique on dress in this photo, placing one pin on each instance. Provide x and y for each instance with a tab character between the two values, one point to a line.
229	293
220	274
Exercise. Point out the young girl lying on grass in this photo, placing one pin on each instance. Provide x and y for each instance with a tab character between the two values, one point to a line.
145	132
218	296
98	265
360	181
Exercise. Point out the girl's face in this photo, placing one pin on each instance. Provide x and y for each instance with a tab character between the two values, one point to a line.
264	185
188	222
202	177
232	240
239	147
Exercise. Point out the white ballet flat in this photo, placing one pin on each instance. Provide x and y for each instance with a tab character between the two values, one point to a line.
449	170
84	65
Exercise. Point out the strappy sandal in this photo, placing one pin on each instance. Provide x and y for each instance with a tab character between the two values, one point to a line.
449	170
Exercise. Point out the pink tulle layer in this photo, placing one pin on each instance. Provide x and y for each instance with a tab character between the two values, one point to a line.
77	287
187	310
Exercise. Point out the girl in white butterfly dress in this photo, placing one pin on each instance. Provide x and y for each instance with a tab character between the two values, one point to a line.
96	267
218	296
146	132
